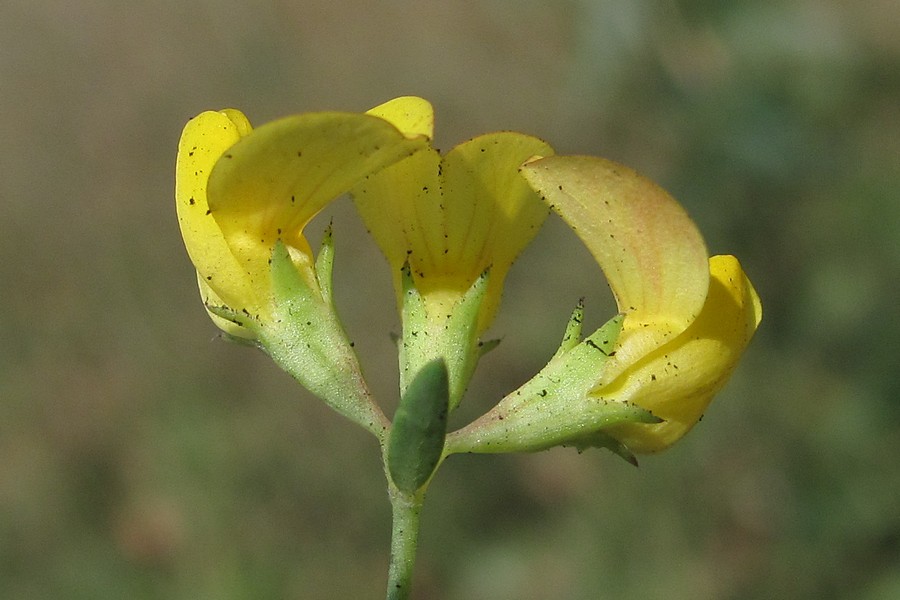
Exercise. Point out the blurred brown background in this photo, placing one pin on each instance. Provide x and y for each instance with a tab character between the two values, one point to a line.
143	457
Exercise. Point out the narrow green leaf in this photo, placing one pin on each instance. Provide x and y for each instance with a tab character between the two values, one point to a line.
420	426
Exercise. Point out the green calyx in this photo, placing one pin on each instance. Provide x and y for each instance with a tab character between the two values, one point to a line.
306	338
560	405
452	337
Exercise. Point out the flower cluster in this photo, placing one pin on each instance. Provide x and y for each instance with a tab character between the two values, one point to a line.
450	227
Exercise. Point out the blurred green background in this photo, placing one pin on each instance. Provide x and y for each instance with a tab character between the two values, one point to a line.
143	457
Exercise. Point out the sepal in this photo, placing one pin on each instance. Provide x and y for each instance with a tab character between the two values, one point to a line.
601	439
572	335
325	264
232	324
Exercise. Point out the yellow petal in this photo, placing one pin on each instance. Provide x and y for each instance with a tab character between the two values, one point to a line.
649	249
677	381
239	120
494	213
452	218
204	140
412	115
268	186
392	202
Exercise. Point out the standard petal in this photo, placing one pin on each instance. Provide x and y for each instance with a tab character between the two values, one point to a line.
492	214
396	203
452	218
204	140
649	249
677	381
412	115
495	214
268	186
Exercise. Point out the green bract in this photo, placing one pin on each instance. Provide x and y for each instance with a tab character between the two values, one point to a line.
420	425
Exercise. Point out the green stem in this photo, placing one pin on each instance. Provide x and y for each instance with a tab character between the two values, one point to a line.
404	540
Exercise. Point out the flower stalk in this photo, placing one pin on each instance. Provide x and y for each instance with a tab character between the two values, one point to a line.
405	514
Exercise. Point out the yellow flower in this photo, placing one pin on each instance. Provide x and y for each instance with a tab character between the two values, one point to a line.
450	219
243	198
643	380
239	191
